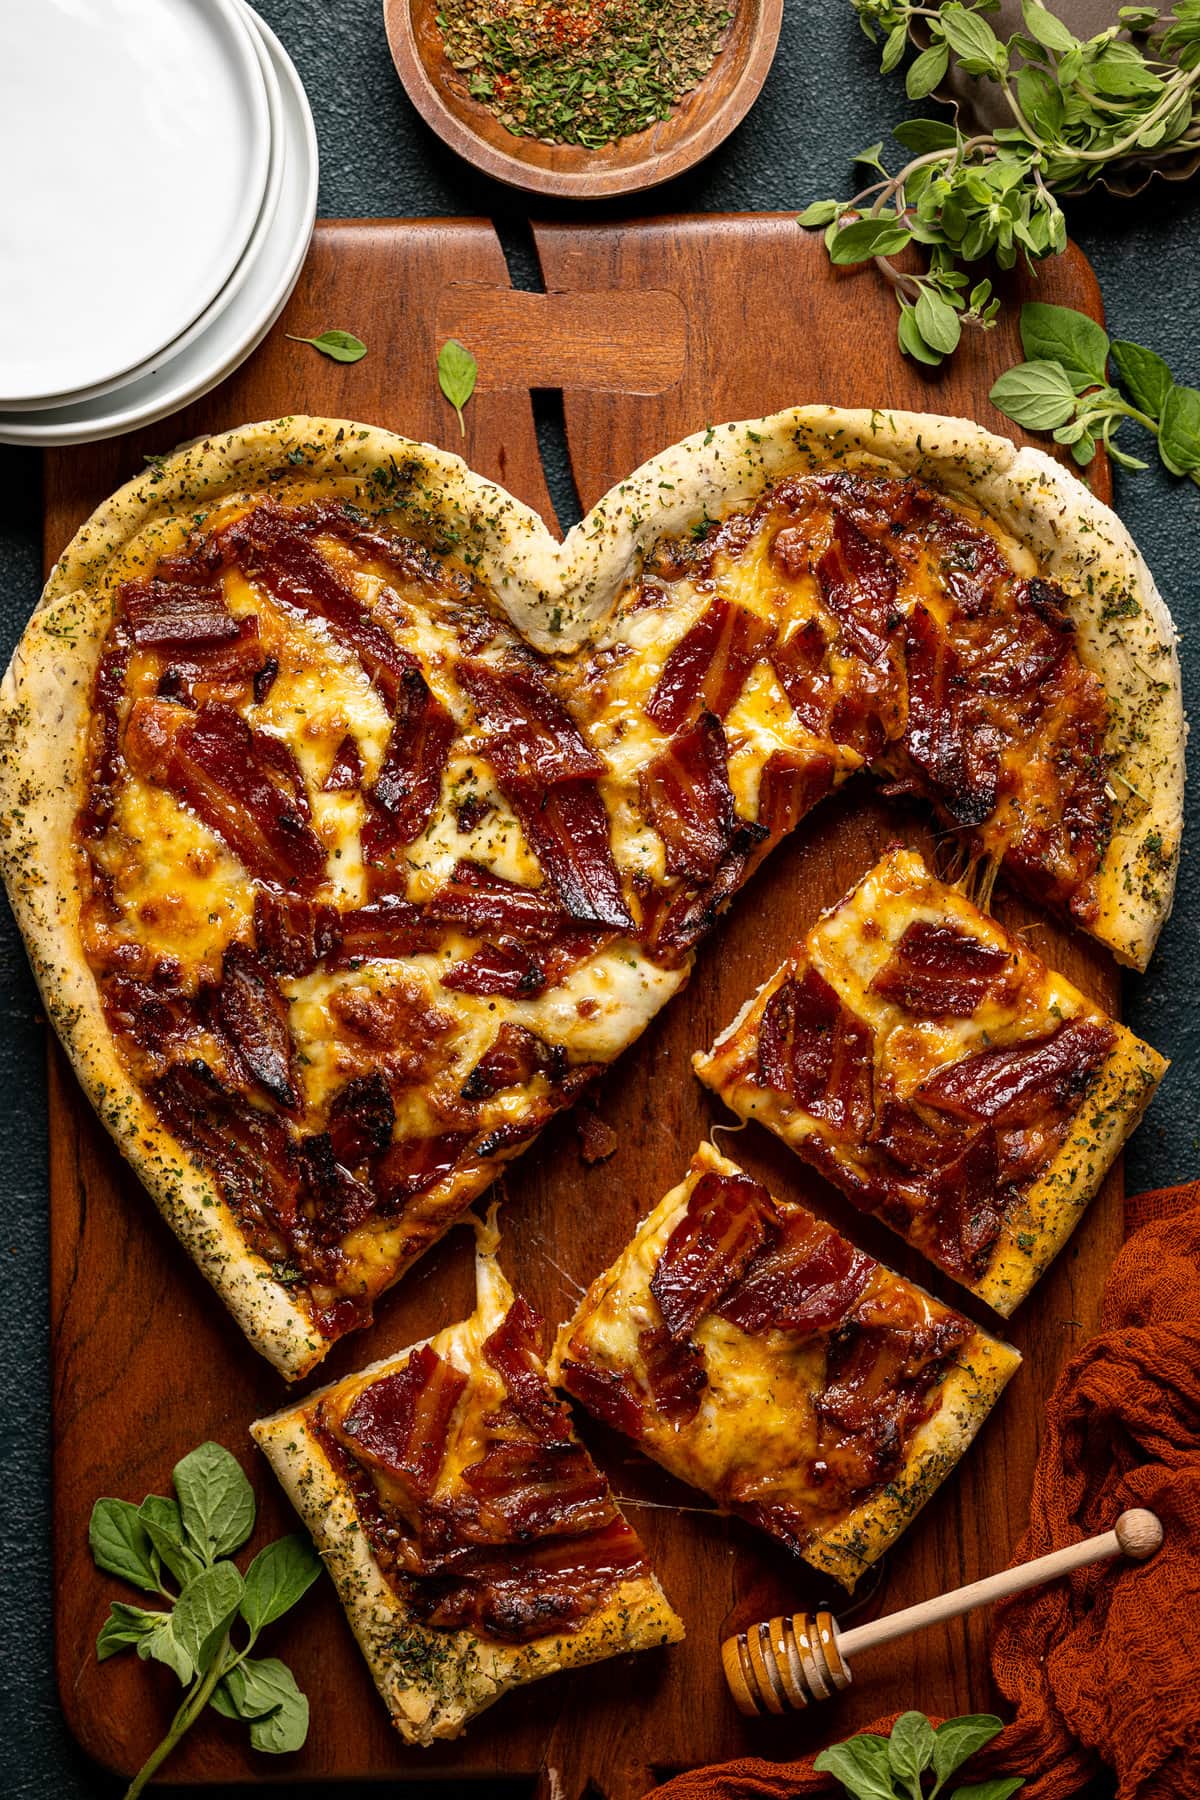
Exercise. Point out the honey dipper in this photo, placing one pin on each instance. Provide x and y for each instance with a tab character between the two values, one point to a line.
792	1662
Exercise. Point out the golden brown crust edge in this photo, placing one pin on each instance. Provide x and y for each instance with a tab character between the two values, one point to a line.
434	1682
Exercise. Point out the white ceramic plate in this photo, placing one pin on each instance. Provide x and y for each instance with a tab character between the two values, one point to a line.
135	139
239	327
262	225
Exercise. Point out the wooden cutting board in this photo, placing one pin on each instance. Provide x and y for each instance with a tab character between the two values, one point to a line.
651	330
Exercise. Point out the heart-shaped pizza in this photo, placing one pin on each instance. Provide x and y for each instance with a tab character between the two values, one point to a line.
354	824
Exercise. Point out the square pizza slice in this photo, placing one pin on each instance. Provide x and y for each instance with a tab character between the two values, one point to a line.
933	1068
473	1542
753	1352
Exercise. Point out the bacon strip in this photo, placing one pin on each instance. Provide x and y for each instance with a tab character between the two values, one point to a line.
247	1150
293	935
675	1374
414	1165
707	669
514	1350
1018	1084
346	770
817	1053
538	1490
485	904
335	1199
961	764
858	578
245	785
107	695
514	1057
269	546
531	736
362	1116
386	931
728	1219
402	1422
552	1586
496	971
685	793
790	785
800	662
567	825
807	1280
254	1017
608	1395
177	615
409	784
938	971
227	665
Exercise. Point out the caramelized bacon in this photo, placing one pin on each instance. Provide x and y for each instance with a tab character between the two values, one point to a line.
816	1052
154	1014
362	1116
333	1200
292	935
215	671
707	669
177	615
728	1219
515	1351
346	770
685	793
938	971
962	764
538	1490
568	827
386	931
496	971
693	913
107	694
254	1018
1017	1084
552	1586
790	785
531	736
485	904
878	1382
675	1374
513	1059
401	1422
413	1165
608	1394
963	1210
806	1280
800	662
409	785
269	546
248	1150
858	576
246	786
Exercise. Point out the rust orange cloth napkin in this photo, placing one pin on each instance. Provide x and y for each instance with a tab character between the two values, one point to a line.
1102	1669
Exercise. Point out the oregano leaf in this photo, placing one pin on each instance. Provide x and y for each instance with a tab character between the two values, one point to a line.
124	1627
164	1527
957	1739
162	1645
866	238
821	212
216	1502
926	71
339	346
205	1610
910	1749
120	1546
279	1576
457	372
263	1692
1061	335
1179	430
861	1765
937	322
1037	395
1144	375
1000	1787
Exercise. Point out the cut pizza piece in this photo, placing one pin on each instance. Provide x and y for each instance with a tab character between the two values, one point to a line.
474	1543
933	1068
759	1356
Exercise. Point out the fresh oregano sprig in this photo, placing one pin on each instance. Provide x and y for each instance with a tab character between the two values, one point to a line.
1064	388
1075	106
180	1549
457	370
871	1767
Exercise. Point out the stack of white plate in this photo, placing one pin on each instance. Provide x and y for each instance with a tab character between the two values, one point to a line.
158	198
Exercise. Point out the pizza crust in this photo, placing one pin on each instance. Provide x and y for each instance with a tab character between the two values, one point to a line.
434	1682
1125	632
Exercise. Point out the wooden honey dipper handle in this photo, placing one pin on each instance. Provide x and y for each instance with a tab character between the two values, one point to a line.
1136	1534
786	1663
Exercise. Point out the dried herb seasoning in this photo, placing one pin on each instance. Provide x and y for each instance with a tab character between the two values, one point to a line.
582	71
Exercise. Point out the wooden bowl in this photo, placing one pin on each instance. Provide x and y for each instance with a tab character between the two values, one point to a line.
702	120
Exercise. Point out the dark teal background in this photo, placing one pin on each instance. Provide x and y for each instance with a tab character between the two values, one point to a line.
824	100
